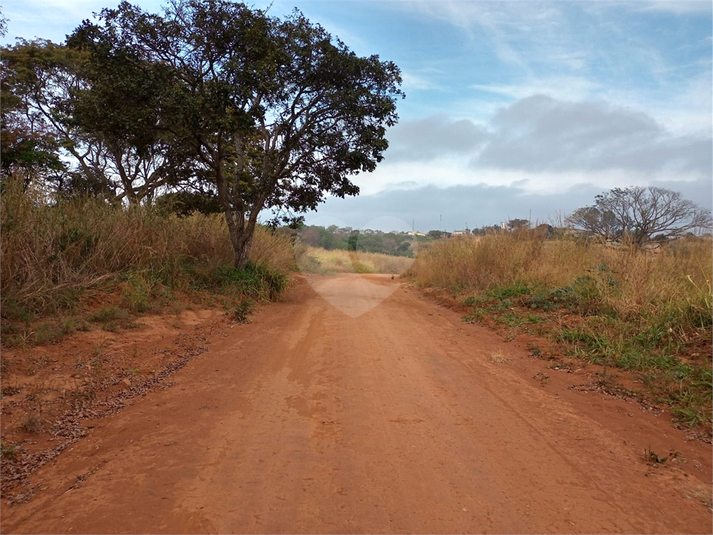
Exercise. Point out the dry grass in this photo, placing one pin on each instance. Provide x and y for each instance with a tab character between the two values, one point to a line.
633	309
316	260
630	281
52	253
499	357
272	249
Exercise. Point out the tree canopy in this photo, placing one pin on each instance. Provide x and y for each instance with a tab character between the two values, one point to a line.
272	113
209	96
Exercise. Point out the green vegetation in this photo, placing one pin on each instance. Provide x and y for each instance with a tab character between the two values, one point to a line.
625	308
366	241
8	451
242	310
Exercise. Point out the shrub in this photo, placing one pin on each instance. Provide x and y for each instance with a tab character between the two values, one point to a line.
51	253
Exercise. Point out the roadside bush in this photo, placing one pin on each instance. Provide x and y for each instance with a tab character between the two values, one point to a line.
673	286
51	253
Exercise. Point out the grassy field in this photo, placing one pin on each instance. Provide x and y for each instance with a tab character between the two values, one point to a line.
57	258
317	260
649	312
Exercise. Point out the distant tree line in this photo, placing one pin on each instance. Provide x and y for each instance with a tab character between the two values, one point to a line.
634	215
369	241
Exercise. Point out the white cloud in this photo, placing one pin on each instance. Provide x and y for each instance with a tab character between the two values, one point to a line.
560	87
675	6
542	133
448	173
528	17
502	22
433	137
544	146
414	82
689	110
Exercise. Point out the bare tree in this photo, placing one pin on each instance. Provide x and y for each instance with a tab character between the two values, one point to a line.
639	214
598	222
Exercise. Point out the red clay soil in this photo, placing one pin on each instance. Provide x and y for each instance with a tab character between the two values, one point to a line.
363	407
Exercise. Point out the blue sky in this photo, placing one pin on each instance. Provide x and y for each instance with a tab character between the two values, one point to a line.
513	109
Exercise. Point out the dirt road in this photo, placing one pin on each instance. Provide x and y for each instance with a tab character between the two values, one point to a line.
366	408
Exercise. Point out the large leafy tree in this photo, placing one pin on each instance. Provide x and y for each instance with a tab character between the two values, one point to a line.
639	214
99	107
121	107
28	142
275	113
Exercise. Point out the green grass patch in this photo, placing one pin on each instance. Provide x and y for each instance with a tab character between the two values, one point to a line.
107	314
242	310
516	289
256	281
476	317
651	353
650	343
8	452
514	319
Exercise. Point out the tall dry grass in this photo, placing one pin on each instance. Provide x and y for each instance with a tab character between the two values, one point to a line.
272	249
51	253
635	309
315	260
631	281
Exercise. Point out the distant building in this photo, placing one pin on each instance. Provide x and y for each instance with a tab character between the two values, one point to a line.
415	233
461	232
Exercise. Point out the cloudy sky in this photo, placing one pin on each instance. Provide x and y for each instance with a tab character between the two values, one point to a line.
514	109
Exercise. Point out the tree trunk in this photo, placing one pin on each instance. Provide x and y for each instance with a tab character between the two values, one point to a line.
245	234
241	239
242	250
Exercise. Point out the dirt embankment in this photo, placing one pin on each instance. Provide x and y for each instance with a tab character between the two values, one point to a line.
51	394
356	405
